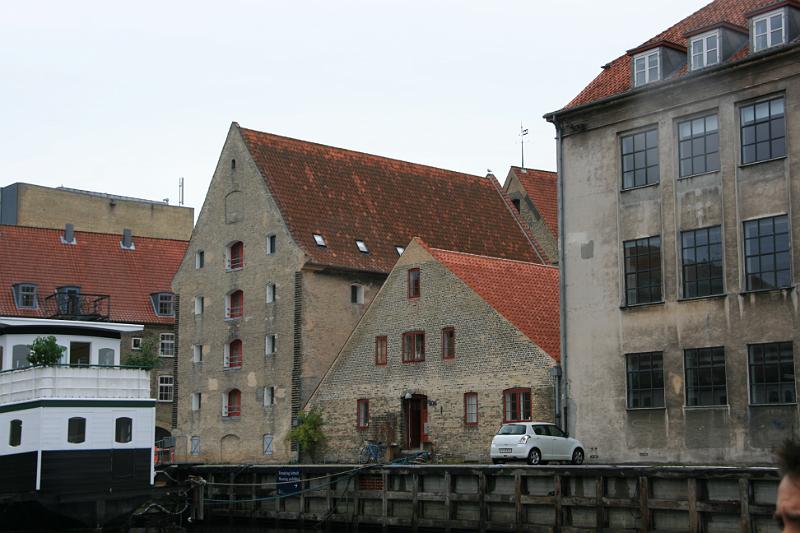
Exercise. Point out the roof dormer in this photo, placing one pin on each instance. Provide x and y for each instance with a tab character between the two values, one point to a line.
774	25
714	44
656	61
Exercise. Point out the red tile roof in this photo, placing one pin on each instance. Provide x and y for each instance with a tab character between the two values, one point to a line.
526	294
345	195
616	76
97	264
542	188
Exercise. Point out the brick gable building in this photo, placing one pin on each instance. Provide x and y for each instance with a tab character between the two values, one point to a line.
50	274
292	243
452	346
535	195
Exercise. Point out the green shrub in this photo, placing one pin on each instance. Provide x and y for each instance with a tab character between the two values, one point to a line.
147	357
308	433
45	351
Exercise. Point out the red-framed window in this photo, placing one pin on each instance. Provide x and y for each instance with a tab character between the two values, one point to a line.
517	404
413	346
233	405
470	408
236	256
448	343
234	356
362	413
413	283
235	307
381	350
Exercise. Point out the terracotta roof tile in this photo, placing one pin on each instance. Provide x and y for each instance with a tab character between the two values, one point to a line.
345	195
97	264
542	187
526	294
616	77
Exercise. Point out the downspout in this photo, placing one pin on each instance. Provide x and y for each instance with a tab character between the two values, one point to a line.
562	267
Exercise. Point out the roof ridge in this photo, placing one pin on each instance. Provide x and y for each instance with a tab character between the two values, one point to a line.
37	228
554	173
477	177
552	267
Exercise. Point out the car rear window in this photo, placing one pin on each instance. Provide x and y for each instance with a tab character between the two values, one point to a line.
512	429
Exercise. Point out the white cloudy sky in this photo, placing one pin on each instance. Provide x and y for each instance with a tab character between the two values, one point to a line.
126	97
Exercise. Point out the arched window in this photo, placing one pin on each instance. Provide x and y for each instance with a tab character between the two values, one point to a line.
233	354
234	305
123	432
232	403
76	430
235	256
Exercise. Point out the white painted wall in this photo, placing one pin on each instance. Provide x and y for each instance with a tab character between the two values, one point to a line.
8	341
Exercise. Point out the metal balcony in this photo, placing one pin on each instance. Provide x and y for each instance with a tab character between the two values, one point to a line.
78	306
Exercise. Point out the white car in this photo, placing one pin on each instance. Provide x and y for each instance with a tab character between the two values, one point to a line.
536	442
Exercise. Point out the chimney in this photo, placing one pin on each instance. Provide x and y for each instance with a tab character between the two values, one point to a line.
127	240
69	235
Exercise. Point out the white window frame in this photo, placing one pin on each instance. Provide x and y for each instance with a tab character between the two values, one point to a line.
197	353
270	344
698	47
272	290
645	58
165	340
767	19
197	401
319	240
18	295
272	244
268	442
269	396
167	299
199	259
194	445
199	304
166	387
359	294
362	246
136	344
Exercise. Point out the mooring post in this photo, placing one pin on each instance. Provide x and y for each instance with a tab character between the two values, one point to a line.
482	500
448	506
384	502
744	509
644	505
518	508
558	493
691	495
599	494
414	503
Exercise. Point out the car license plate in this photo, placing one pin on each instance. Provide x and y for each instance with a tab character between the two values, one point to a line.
505	450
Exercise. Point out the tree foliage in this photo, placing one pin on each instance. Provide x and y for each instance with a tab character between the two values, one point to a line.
308	433
147	357
45	351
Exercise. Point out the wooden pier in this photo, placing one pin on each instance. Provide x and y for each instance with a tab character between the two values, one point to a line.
489	498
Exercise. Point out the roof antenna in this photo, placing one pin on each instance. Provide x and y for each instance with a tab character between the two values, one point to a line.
180	191
522	133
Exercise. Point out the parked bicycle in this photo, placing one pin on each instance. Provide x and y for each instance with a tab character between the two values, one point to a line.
371	452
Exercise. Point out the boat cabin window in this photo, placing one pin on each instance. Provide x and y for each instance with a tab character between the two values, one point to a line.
76	430
15	433
124	430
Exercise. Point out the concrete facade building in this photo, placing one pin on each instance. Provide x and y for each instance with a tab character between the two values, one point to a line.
25	204
451	347
292	243
80	276
534	193
678	174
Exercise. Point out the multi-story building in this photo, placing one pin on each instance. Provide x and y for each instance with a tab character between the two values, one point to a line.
451	347
292	243
534	193
95	277
25	204
677	174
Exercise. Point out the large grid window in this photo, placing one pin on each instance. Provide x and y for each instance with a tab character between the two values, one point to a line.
413	346
772	373
166	386
516	405
642	270
763	130
698	148
766	253
705	376
701	254
645	380
25	295
640	159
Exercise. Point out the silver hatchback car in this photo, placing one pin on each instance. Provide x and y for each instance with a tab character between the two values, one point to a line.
536	442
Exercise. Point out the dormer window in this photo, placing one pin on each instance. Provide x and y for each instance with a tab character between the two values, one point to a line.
646	68
705	50
768	30
163	303
319	239
362	247
25	295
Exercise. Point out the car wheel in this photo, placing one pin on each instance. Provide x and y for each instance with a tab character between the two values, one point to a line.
534	457
577	456
497	461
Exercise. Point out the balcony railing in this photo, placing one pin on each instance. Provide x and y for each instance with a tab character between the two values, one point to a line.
78	306
65	382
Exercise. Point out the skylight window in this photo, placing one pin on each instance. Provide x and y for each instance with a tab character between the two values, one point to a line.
362	247
705	50
319	239
646	68
400	249
768	30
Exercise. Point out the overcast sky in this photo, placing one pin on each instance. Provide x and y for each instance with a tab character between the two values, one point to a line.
126	97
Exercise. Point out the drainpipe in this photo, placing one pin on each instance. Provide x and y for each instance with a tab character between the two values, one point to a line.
562	268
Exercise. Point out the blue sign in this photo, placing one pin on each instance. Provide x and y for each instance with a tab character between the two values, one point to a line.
288	481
